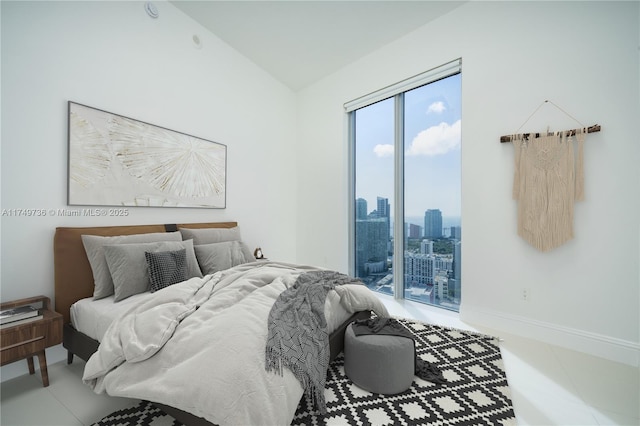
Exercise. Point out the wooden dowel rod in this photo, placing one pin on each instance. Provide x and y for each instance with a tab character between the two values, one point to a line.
510	138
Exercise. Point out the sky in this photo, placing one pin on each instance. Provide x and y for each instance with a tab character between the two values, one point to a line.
432	149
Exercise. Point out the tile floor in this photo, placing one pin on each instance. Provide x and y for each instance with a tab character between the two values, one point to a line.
550	385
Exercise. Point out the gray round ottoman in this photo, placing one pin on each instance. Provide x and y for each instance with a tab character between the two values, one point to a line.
379	363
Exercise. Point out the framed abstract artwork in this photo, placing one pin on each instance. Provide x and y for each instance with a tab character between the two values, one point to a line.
119	161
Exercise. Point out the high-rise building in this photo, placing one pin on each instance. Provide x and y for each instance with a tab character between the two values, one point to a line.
383	207
361	209
421	269
415	231
441	285
433	223
426	247
455	281
457	259
456	232
418	269
372	236
384	211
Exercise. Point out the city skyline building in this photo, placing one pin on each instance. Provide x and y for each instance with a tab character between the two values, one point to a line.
372	236
415	231
383	207
361	209
433	224
456	232
426	247
431	267
455	281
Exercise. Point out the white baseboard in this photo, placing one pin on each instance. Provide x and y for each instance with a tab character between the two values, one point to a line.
611	348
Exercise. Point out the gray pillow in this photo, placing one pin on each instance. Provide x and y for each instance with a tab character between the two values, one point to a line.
166	268
93	246
128	265
220	256
211	235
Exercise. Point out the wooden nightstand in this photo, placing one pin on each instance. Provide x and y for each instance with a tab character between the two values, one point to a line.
31	338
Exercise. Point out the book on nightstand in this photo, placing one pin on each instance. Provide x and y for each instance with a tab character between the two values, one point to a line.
18	314
22	321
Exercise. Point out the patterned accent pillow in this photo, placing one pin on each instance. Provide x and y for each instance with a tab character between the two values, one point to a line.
166	268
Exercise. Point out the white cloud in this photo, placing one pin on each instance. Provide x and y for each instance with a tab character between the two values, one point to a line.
436	107
436	140
383	150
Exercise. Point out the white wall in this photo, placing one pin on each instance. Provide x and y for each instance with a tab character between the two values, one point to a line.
112	56
581	56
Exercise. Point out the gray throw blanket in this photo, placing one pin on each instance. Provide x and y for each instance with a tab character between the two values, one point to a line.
298	338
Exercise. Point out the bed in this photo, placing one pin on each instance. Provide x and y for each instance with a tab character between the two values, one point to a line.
216	341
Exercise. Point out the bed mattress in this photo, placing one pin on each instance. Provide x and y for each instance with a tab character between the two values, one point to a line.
93	317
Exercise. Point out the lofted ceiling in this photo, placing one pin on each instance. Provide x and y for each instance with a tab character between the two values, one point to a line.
300	42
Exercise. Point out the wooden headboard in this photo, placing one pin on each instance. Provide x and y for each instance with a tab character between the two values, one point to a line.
73	275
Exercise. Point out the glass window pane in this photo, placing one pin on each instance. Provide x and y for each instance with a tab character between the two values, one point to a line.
432	193
374	161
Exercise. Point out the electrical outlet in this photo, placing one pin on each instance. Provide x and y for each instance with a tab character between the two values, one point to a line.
526	294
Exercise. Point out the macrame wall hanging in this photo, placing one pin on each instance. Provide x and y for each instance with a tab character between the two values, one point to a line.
548	179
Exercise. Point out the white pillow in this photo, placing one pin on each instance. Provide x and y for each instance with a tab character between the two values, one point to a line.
128	265
93	245
358	297
220	256
211	235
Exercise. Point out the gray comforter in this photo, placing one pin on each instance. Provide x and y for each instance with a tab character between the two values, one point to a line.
200	345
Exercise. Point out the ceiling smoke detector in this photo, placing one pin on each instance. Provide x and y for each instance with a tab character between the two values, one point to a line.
197	41
151	9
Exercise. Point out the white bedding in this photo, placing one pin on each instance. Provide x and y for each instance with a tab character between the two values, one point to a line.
93	317
199	345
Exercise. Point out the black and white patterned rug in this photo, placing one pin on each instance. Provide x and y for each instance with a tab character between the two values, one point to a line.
476	392
143	414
